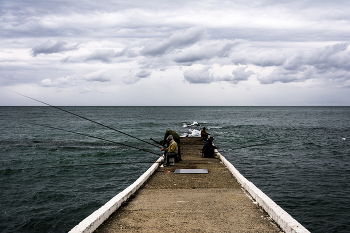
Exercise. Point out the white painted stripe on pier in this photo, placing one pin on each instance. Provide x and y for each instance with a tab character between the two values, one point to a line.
286	222
92	222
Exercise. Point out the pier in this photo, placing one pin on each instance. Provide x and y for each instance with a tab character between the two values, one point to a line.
211	202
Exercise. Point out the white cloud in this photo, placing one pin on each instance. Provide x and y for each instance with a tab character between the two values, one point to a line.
238	75
201	75
73	80
131	77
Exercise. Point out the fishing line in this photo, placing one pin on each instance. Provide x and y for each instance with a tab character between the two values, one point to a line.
75	165
87	119
248	146
85	165
96	138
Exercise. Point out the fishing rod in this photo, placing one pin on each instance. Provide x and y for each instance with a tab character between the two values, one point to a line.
155	141
86	119
95	137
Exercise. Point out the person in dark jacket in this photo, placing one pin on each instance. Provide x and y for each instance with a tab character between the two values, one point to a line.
208	148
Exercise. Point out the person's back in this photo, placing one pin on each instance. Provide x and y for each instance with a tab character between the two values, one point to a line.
208	148
172	132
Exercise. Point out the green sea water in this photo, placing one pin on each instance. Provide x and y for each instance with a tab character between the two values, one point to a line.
51	180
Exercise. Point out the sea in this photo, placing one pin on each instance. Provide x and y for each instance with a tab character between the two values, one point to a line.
57	168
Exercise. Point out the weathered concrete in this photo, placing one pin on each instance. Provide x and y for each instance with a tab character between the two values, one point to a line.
168	202
93	221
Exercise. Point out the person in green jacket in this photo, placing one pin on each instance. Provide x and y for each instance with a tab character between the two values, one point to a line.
176	138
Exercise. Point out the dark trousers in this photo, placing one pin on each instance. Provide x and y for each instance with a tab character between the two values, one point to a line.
209	153
178	158
168	156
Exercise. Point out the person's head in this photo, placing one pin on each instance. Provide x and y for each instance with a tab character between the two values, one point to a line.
211	139
204	128
169	138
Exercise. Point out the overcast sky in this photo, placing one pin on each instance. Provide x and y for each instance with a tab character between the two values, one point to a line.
151	53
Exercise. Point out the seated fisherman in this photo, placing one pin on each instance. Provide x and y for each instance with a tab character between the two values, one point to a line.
208	148
176	139
171	150
204	134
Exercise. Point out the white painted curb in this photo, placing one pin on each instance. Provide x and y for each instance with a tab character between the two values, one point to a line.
286	222
92	222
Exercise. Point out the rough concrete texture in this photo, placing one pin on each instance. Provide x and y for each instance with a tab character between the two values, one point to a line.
169	202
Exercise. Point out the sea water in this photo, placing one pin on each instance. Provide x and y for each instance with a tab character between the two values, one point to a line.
51	179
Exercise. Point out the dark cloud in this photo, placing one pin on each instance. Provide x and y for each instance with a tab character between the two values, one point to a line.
48	47
177	40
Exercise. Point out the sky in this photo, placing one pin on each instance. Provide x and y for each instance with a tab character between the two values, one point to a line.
175	53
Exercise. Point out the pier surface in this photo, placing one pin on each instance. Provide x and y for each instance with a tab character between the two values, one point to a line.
169	202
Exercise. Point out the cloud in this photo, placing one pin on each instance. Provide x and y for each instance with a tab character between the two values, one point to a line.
335	56
73	80
301	42
282	75
204	76
239	74
207	51
143	74
312	64
177	40
103	55
132	78
126	52
262	57
48	48
199	76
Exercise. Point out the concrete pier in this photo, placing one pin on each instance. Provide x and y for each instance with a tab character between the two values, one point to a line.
169	202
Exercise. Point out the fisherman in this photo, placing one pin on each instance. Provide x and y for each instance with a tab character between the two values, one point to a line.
208	148
177	140
171	150
204	134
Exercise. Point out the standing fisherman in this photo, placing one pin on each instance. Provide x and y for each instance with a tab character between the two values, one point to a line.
204	134
171	151
176	137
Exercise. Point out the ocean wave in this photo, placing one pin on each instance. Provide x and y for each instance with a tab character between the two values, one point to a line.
185	125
